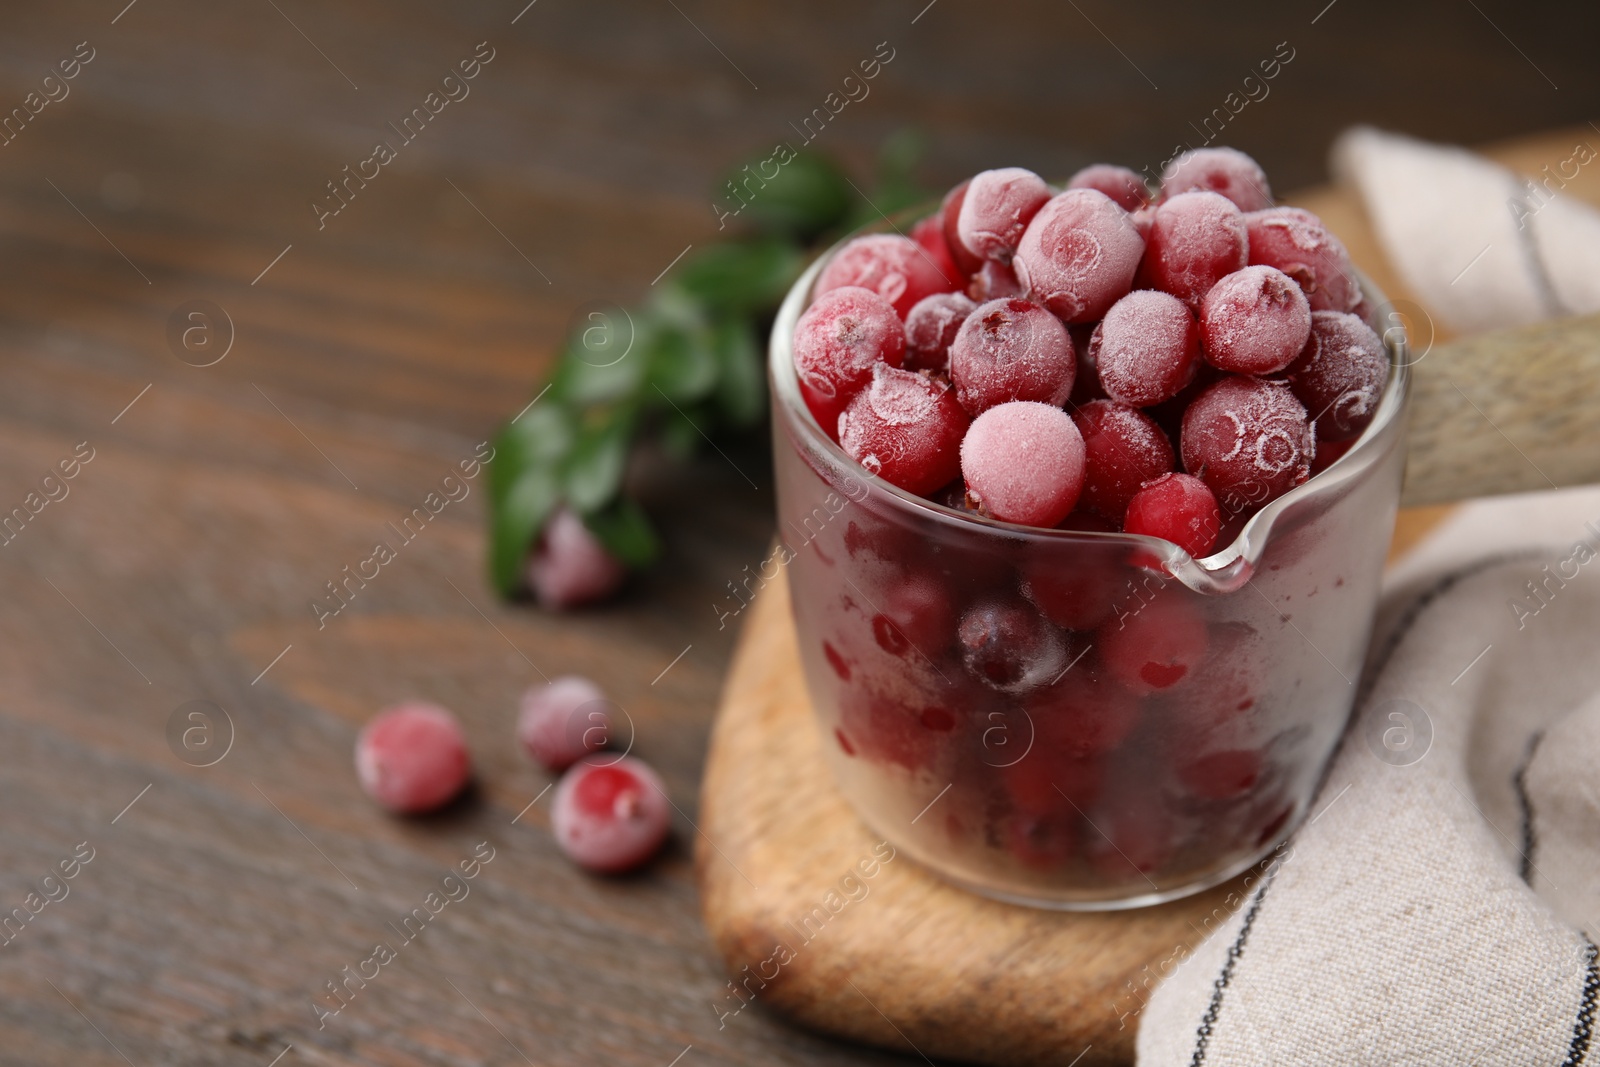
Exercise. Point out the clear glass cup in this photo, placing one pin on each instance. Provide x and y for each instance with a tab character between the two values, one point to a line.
954	664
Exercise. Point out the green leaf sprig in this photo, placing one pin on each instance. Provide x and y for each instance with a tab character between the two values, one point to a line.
689	361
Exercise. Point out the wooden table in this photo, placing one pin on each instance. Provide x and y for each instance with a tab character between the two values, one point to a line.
368	357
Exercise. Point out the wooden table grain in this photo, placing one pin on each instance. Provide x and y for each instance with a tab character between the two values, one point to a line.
371	351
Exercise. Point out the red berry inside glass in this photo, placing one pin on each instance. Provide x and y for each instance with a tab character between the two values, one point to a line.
840	338
906	429
1011	350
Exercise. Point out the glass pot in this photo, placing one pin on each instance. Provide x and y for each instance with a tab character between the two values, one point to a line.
1025	770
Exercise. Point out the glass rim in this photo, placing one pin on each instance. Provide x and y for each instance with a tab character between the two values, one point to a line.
1224	570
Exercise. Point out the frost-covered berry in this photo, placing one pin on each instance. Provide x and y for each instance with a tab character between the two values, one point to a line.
949	215
1296	242
1254	321
1009	647
1123	449
929	235
563	721
1195	240
412	758
931	327
1156	645
1179	508
1249	440
1340	375
1024	462
1078	255
894	267
1147	348
997	207
1011	350
610	816
569	566
906	428
1122	185
1219	170
840	338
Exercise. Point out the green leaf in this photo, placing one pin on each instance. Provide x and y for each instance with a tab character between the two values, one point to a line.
603	362
897	165
741	395
682	365
745	278
625	532
517	515
540	438
679	435
594	467
798	199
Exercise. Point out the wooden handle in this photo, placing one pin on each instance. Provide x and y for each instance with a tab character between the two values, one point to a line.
1506	412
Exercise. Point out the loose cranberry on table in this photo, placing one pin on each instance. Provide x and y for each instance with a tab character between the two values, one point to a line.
1339	375
1254	321
610	816
997	207
1011	350
1178	508
1295	241
1024	462
1146	349
1078	255
840	338
931	326
561	722
1124	448
894	267
905	428
1227	171
1249	440
1195	240
412	758
570	567
1122	185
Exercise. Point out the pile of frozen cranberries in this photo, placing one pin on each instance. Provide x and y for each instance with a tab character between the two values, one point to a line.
1098	358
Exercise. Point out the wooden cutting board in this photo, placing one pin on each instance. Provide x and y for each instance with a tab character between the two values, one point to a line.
900	959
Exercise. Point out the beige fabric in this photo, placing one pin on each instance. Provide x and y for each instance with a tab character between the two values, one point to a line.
1482	247
1398	927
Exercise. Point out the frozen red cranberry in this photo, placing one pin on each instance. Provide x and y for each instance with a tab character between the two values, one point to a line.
1154	643
996	209
894	267
569	566
949	215
1221	775
1147	348
931	327
1123	449
1339	375
1254	321
610	816
929	234
1295	241
1132	837
915	618
1023	462
1045	782
1078	255
1195	240
888	730
905	428
993	281
1009	647
1328	453
1248	440
1083	714
1219	170
564	721
1179	508
1011	350
1075	594
837	342
1122	185
412	758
